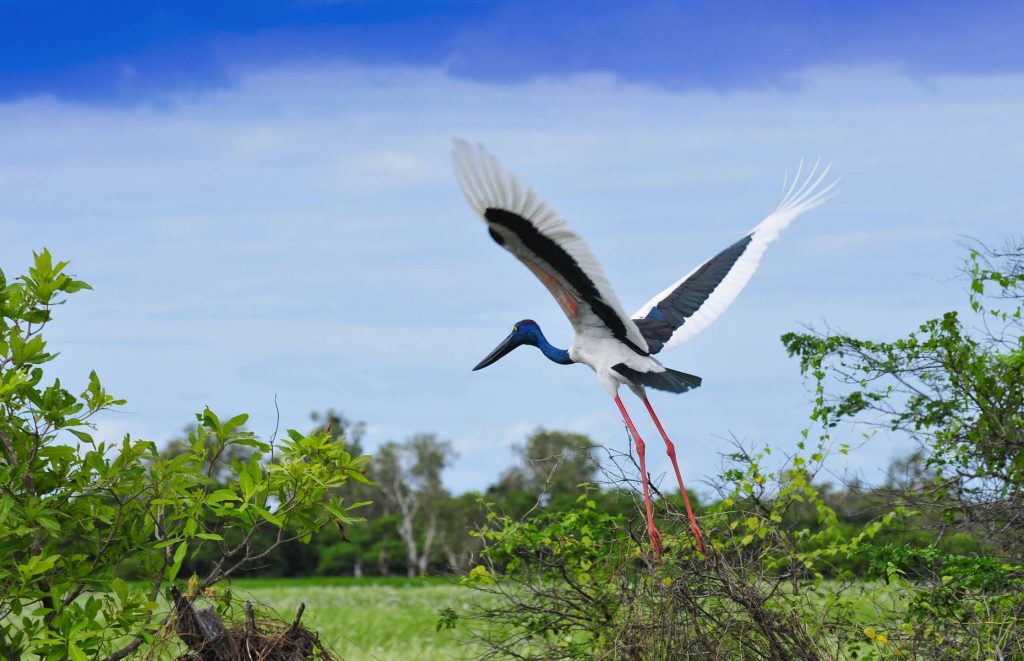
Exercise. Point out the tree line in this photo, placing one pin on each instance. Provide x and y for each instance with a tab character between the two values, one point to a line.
411	524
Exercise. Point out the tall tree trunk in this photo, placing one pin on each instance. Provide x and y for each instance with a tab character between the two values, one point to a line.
428	541
407	507
382	558
454	564
408	535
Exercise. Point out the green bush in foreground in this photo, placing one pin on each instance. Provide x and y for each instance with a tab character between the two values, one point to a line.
583	584
938	566
74	509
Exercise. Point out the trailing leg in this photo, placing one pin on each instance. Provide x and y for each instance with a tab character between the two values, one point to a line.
652	531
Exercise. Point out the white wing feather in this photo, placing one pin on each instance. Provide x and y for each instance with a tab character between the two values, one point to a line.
795	201
487	185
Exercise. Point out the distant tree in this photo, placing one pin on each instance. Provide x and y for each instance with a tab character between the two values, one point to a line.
461	515
409	478
369	547
552	465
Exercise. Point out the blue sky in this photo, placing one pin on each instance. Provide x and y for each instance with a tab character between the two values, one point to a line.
118	52
263	199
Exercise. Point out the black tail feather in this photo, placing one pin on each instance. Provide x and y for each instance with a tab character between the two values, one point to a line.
669	380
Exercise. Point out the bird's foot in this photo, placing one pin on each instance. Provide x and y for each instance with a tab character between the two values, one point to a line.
700	540
655	536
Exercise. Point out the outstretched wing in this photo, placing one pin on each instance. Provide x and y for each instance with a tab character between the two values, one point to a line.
527	227
692	303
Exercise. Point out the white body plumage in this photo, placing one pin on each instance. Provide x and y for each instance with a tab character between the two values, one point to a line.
601	352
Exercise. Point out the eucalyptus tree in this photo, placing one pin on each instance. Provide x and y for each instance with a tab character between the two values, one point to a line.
409	478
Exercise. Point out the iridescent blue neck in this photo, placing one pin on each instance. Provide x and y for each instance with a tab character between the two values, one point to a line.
553	353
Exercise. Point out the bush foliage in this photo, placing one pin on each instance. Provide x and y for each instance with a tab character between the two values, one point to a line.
925	566
77	511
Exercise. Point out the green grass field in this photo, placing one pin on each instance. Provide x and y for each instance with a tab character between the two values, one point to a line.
369	619
394	618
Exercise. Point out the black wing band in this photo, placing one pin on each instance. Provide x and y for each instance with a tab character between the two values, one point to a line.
566	266
661	321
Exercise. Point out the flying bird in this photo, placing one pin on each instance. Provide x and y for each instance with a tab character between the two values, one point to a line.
619	348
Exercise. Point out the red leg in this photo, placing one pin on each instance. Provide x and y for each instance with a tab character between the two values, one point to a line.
671	449
651	530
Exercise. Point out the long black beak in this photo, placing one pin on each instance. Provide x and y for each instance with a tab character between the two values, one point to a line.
507	345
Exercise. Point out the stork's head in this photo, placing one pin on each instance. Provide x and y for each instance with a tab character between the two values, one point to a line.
524	332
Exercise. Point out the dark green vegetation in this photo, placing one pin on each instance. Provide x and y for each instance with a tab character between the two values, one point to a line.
551	561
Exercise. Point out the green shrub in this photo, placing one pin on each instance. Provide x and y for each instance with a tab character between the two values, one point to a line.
80	514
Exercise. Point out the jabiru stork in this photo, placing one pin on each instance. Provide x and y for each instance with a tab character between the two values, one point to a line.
619	348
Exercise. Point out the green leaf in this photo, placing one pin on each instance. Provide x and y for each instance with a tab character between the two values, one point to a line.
235	422
120	588
277	521
81	435
245	482
221	495
75	652
179	557
71	286
37	565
